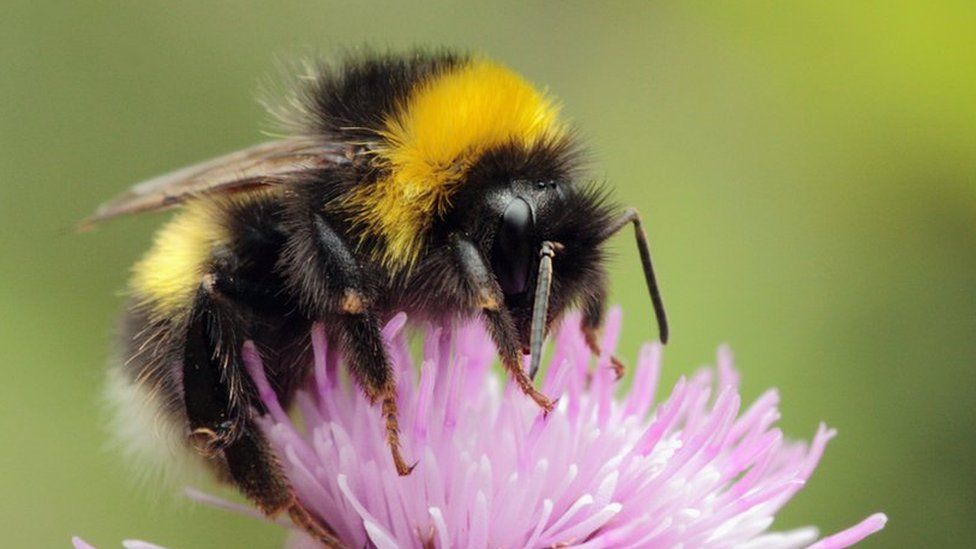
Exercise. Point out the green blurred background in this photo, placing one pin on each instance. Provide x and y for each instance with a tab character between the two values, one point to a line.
807	170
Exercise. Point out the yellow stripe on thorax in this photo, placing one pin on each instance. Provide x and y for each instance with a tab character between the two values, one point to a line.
166	279
447	123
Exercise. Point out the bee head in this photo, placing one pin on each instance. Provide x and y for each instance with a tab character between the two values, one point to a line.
515	200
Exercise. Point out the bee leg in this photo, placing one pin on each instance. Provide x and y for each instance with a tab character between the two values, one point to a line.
217	401
502	331
255	470
483	291
302	518
485	295
213	387
368	363
593	308
590	335
333	284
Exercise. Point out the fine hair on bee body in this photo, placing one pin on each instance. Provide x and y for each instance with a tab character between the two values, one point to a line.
440	184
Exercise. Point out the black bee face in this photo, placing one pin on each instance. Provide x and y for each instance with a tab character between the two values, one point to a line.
518	236
509	220
516	199
515	251
513	247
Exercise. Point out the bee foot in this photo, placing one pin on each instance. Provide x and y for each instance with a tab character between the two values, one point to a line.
541	399
301	517
393	433
208	442
619	369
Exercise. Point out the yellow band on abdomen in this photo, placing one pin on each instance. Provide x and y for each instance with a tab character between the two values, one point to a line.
167	277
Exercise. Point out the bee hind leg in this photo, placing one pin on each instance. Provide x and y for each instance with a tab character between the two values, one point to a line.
217	396
256	472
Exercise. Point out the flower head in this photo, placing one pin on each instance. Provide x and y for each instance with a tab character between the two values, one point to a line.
693	470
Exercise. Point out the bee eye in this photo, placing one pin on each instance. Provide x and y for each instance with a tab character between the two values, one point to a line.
540	185
511	255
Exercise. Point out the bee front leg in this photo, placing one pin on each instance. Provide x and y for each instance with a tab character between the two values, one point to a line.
485	295
502	330
217	399
594	306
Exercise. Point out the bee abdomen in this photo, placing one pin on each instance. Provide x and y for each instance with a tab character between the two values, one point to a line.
144	398
165	280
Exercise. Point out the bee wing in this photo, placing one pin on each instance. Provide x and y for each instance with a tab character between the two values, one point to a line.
258	166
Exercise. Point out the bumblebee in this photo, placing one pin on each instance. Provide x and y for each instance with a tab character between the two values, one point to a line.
439	184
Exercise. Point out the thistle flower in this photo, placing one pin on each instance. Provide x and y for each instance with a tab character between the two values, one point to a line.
693	470
492	471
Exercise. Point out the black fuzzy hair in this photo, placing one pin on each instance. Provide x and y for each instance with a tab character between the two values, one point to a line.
557	158
350	99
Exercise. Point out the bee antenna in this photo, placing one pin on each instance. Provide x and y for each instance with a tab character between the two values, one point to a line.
651	280
540	306
631	216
